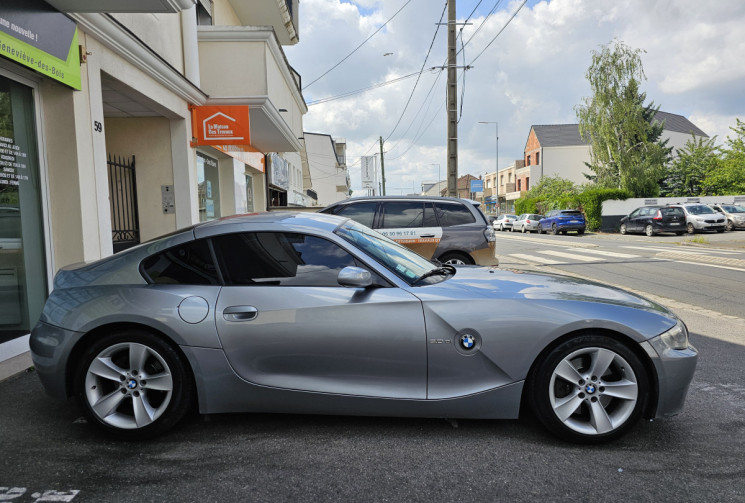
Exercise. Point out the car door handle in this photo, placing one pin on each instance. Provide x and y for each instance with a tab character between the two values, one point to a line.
240	313
427	235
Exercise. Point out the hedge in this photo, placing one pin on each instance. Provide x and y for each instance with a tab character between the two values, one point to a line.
590	201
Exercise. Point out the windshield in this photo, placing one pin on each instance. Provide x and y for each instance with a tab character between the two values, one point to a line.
403	262
733	208
699	209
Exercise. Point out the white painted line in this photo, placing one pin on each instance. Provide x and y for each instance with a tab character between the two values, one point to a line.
610	253
533	258
653	248
571	256
709	265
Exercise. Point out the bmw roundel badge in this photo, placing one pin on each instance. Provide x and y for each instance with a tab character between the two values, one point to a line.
467	341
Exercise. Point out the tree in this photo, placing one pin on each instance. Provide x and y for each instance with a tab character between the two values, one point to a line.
728	177
696	161
626	151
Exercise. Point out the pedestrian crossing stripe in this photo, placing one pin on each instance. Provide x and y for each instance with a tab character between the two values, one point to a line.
610	254
535	258
571	256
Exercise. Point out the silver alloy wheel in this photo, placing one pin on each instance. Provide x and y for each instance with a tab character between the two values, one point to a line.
455	261
128	385
593	391
649	231
623	228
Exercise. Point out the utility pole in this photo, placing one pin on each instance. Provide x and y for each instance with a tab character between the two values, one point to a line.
382	165
452	104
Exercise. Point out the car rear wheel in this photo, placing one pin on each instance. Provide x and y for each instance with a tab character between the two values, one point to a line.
554	229
589	389
455	258
649	230
623	229
134	385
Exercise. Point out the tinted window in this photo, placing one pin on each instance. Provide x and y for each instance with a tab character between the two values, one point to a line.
429	216
402	214
284	259
571	213
187	264
453	214
669	212
363	213
699	209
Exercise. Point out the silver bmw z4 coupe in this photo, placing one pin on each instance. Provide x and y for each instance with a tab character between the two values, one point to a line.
316	314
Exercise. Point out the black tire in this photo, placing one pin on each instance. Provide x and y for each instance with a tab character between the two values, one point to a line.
540	230
730	226
523	229
622	230
690	229
554	229
592	403
133	354
580	231
455	258
649	230
720	230
680	233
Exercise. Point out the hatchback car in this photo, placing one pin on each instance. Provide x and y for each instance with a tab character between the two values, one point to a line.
316	314
562	221
504	222
448	229
652	220
735	215
527	222
700	217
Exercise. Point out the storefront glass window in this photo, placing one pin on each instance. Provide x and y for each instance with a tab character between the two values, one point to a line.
208	187
22	259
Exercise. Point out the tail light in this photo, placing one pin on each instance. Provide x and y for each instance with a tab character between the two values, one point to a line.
527	221
658	216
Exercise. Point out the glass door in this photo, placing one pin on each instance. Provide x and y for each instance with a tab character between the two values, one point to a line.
22	260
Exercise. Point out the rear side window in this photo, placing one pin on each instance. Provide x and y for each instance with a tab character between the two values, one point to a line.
280	259
450	214
671	212
363	213
187	264
402	214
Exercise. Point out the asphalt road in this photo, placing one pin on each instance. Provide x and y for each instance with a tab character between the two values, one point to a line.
50	454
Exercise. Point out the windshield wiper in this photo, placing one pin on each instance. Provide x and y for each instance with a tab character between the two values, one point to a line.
444	270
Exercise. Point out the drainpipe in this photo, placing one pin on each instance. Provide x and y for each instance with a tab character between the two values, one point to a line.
191	46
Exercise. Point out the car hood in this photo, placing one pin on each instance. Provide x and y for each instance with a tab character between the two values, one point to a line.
494	283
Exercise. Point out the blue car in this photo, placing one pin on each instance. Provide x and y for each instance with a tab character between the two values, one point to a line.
557	221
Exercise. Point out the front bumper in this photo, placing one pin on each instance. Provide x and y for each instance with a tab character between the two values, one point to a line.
675	369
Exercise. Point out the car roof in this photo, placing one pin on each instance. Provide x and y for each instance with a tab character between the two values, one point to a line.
405	198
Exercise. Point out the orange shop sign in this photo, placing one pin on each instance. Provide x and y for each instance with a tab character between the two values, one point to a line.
220	125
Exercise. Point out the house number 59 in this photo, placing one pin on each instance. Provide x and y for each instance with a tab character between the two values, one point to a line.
97	126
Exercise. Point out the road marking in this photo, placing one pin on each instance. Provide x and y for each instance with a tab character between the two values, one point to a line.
571	256
709	265
655	249
610	254
534	258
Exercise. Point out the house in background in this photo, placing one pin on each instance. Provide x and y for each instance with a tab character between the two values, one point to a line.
327	168
559	149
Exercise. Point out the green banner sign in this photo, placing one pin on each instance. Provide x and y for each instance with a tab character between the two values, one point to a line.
35	35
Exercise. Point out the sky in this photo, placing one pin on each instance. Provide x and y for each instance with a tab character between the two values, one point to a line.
533	72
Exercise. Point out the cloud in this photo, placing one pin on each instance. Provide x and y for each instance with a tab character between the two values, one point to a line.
533	73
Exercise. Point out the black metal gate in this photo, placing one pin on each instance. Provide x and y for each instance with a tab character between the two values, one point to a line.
125	222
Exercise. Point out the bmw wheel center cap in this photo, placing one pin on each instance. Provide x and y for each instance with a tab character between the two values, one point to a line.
467	341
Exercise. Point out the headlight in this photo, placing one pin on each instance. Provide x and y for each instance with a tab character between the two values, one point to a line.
676	337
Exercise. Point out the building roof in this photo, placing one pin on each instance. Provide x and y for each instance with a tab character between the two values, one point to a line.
567	135
678	123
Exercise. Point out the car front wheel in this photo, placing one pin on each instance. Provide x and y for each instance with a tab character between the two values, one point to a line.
589	389
690	228
554	230
623	229
455	258
134	385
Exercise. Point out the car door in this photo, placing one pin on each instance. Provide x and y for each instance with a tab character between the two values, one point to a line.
411	223
285	322
632	223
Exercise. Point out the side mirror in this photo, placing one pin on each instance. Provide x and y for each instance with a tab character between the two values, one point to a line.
354	277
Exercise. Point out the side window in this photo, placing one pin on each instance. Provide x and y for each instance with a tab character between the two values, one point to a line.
187	264
429	216
363	213
280	259
402	214
453	214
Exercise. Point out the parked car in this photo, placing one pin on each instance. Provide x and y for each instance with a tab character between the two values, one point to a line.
312	313
652	220
700	217
735	215
504	221
451	230
527	222
562	221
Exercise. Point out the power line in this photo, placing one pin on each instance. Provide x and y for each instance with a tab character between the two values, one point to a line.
358	91
358	47
500	31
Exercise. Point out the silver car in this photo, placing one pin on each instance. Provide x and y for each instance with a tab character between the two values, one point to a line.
527	222
700	217
504	221
314	313
735	214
